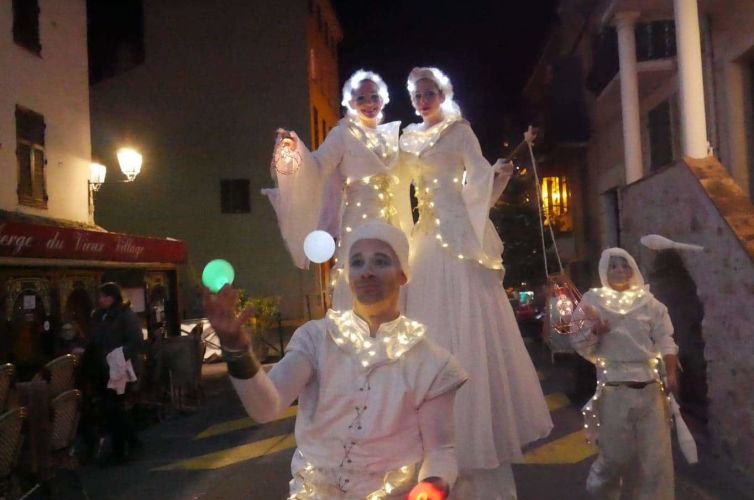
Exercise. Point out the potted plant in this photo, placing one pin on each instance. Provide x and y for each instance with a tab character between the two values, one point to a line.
263	320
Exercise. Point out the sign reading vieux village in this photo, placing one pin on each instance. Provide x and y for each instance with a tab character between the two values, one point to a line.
49	242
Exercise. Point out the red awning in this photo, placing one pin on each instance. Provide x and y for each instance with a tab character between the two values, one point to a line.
50	241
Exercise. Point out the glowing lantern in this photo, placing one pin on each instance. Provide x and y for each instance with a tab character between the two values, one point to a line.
319	246
218	273
285	158
562	300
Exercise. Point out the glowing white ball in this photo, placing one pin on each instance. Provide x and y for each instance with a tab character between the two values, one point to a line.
319	246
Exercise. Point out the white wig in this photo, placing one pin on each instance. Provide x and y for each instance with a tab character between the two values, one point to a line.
353	83
449	106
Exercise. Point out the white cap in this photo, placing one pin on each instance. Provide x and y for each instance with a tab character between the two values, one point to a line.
378	230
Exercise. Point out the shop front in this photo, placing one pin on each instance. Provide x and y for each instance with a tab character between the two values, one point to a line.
49	274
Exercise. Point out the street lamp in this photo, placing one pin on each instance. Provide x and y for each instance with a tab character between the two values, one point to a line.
130	162
97	174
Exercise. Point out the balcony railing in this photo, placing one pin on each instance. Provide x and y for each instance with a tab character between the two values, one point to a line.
655	40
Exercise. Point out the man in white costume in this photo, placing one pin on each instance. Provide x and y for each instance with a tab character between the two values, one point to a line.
375	395
628	335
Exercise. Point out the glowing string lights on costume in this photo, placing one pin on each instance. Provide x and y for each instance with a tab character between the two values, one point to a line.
382	141
352	335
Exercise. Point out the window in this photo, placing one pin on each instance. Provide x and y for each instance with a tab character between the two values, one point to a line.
660	136
234	196
315	131
556	200
30	154
26	24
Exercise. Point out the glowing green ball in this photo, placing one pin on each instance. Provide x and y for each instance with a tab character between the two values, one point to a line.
217	273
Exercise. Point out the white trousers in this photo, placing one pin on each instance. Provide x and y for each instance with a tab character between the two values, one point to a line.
634	434
485	484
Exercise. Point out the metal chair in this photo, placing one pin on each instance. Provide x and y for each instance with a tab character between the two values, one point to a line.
65	411
7	373
11	437
60	373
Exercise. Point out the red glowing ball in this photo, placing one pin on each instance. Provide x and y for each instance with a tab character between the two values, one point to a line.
426	491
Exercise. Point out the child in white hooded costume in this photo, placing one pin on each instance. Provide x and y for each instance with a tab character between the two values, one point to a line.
625	331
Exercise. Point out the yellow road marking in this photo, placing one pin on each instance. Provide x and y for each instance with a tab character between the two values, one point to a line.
570	449
241	423
557	401
230	456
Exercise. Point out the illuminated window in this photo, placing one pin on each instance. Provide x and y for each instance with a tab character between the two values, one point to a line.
556	200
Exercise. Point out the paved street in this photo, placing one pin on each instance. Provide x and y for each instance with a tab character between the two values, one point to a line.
217	453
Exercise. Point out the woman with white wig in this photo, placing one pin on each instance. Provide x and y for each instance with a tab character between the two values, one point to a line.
457	291
350	179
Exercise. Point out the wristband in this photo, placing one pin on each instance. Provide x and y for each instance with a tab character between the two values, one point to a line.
242	365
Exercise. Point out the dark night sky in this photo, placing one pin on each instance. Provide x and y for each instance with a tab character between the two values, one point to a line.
487	48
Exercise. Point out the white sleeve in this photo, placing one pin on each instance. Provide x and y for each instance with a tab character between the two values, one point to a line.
499	183
266	396
477	192
298	198
436	427
662	331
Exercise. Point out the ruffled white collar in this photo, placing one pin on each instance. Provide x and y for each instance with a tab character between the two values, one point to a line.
622	302
382	140
416	139
393	339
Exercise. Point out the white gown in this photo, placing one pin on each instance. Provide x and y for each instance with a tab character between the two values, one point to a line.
351	178
456	290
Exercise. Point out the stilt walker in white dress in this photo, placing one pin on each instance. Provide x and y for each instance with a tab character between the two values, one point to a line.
350	179
457	290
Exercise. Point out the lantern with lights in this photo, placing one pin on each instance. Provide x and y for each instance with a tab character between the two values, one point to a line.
562	299
286	160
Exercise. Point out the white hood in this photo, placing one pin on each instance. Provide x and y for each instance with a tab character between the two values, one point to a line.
621	302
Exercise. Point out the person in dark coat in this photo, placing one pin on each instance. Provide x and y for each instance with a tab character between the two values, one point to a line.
114	325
